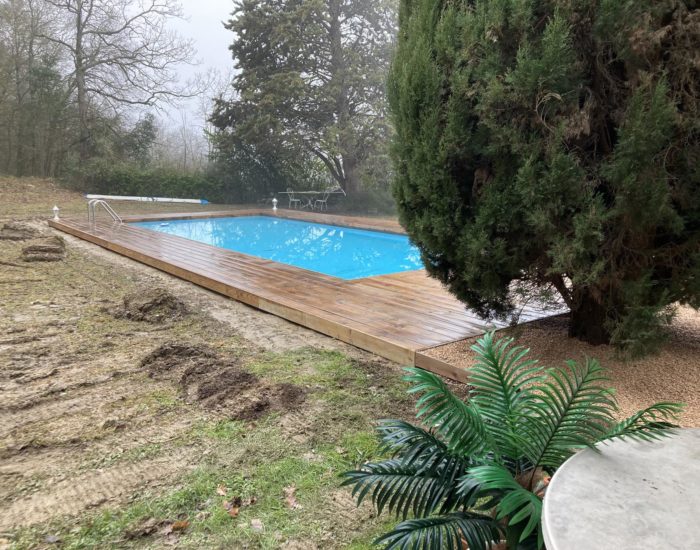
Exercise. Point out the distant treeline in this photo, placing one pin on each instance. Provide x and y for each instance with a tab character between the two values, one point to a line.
76	77
306	109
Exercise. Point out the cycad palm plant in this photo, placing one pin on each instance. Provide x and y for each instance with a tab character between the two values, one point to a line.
476	476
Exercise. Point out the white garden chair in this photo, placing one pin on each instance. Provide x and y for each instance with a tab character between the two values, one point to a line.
322	202
292	199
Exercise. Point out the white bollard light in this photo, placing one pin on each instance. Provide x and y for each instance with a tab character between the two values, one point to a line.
274	204
55	212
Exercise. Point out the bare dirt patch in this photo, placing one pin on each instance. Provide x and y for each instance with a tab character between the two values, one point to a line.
220	383
95	488
671	375
50	249
73	393
154	305
16	231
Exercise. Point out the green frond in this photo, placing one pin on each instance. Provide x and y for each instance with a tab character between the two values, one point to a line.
404	489
516	504
572	408
484	455
469	488
443	533
649	424
414	444
502	380
424	450
458	422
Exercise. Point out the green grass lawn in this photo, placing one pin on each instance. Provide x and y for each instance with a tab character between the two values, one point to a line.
255	466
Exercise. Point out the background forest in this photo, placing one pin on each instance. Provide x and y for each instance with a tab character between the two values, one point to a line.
86	87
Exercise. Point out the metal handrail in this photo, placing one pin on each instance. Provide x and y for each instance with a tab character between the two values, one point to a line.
94	203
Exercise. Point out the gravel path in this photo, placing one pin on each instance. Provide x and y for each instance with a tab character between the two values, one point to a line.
671	375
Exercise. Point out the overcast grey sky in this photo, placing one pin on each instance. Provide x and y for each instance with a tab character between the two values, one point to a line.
203	24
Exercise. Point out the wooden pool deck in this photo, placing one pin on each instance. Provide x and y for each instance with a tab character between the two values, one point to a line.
396	316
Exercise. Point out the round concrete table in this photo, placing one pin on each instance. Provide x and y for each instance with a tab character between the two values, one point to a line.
631	496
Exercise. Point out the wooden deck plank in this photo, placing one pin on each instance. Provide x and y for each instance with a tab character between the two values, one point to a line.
228	271
289	278
266	299
394	316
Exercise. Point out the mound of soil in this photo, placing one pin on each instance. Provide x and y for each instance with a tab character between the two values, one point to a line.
14	231
52	249
171	356
220	383
151	306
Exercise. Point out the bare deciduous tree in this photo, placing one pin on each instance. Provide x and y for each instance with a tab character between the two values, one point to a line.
122	53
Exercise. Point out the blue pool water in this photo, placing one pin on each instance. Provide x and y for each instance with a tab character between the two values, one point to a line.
337	251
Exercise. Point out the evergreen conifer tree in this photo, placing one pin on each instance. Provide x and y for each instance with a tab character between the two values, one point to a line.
310	84
554	144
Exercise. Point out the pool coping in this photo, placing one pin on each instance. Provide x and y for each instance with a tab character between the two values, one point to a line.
249	213
384	225
397	316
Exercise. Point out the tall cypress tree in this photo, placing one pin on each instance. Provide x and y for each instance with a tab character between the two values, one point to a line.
555	144
311	82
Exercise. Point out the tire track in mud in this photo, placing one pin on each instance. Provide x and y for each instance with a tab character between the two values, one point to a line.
46	460
23	470
92	489
90	403
59	393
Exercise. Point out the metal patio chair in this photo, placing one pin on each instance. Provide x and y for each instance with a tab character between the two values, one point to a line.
322	202
292	199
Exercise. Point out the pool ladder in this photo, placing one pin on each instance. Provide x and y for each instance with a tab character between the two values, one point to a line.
92	207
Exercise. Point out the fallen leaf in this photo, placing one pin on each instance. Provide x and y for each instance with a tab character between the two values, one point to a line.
180	525
256	524
290	498
235	501
221	490
233	507
144	529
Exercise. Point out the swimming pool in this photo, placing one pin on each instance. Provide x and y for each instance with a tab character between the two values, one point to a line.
329	249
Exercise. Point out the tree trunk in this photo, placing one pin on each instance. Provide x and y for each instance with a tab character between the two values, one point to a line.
346	138
82	115
352	181
80	87
588	319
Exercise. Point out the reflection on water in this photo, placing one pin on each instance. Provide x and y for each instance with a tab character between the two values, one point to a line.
337	251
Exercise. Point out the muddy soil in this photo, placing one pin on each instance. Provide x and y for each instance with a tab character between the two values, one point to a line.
50	249
220	383
150	305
